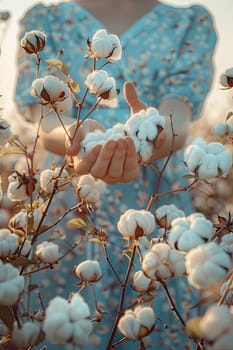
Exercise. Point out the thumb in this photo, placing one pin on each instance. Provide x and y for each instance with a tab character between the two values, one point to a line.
132	99
77	134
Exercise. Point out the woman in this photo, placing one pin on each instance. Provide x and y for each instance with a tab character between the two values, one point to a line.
167	52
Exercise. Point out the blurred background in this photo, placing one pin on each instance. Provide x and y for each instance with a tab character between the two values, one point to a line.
218	102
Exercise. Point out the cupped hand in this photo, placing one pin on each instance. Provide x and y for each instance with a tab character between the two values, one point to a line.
115	161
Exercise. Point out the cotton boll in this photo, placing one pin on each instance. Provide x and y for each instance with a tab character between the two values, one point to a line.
88	271
12	284
8	243
78	308
129	326
137	324
48	252
165	214
49	176
136	223
146	317
105	45
215	148
206	265
26	336
142	283
224	160
81	332
57	328
210	325
227	242
208	167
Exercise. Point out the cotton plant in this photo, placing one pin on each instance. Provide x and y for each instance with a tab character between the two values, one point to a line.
191	248
207	160
68	323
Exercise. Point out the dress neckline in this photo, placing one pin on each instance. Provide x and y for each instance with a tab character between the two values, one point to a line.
128	31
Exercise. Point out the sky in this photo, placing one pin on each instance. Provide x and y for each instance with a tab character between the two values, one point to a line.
222	12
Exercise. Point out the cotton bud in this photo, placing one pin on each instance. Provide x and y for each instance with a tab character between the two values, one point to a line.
188	232
137	324
54	91
166	213
217	327
227	243
49	176
207	160
136	223
66	322
89	189
142	284
25	222
88	271
26	336
226	78
105	45
163	262
33	41
5	132
207	265
48	252
11	283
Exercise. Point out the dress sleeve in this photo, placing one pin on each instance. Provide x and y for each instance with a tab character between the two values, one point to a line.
190	74
37	18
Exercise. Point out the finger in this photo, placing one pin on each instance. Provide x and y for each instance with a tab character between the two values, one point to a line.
115	169
77	135
131	168
85	164
101	165
131	97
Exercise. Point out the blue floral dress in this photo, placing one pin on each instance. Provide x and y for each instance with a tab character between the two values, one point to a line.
168	54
